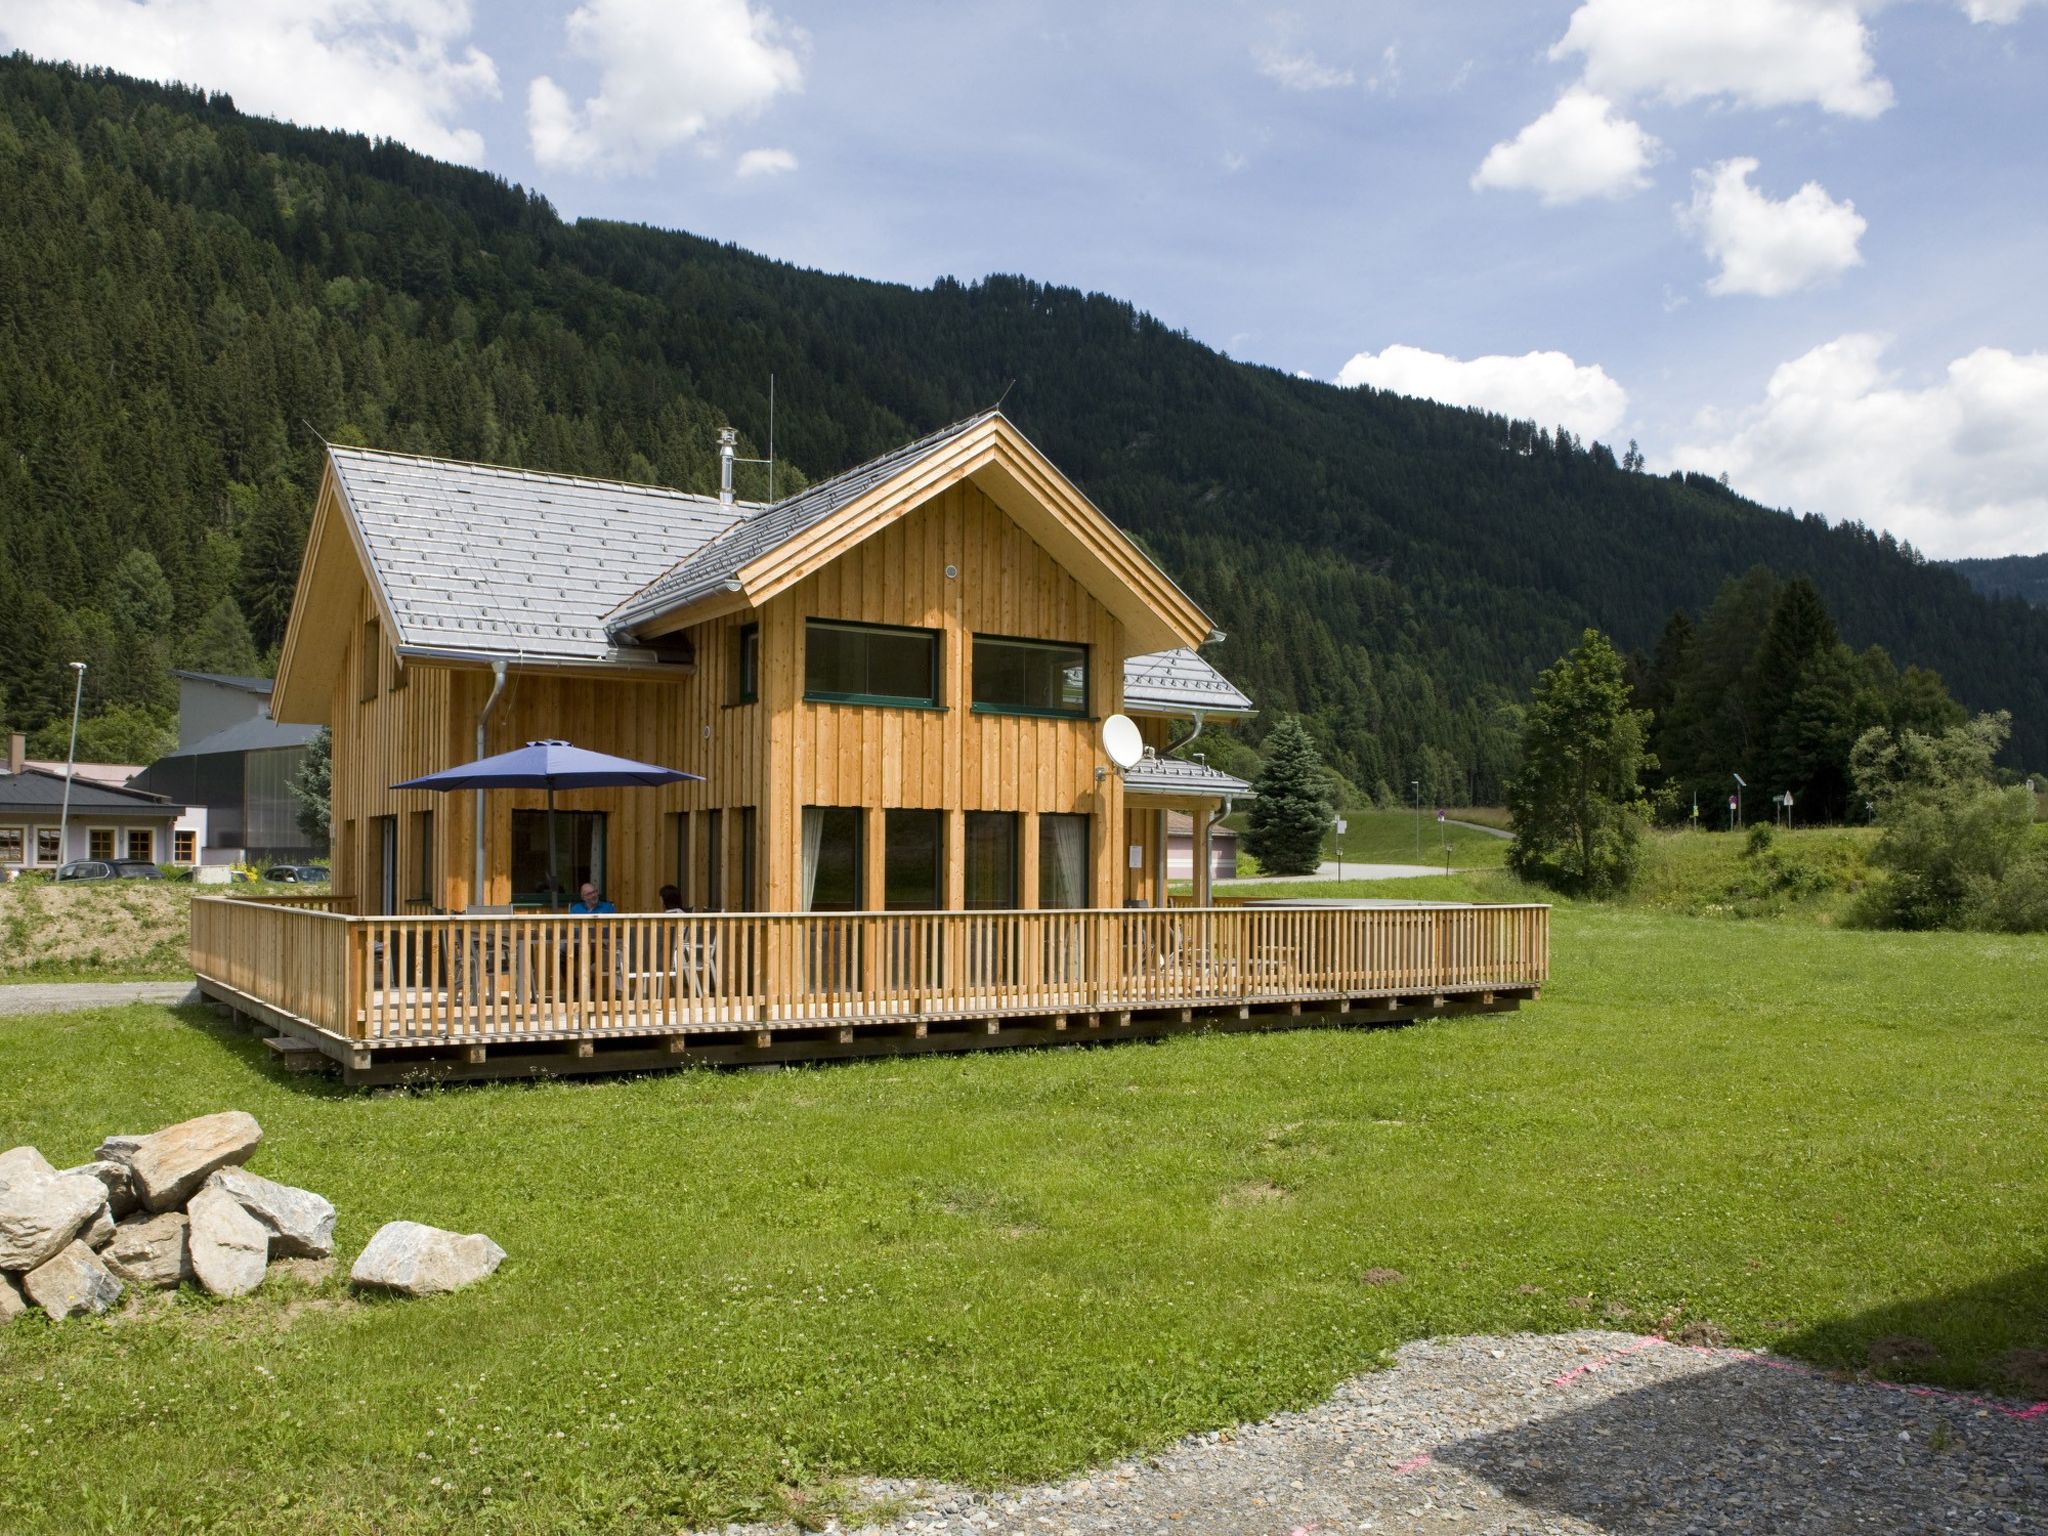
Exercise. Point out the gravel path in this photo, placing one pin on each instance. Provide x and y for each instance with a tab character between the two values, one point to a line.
64	996
1560	1435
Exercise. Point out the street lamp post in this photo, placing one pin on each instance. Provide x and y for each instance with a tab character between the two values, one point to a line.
70	765
1416	786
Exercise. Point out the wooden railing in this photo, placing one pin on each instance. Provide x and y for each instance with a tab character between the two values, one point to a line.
485	978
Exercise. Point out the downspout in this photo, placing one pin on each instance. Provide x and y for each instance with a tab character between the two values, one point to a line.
476	891
1200	721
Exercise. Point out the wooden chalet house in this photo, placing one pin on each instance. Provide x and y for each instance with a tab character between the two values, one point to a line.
894	685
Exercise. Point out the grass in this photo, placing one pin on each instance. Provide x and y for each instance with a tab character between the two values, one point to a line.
1389	837
725	1291
111	930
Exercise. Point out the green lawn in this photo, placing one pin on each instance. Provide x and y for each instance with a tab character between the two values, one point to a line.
1389	837
724	1286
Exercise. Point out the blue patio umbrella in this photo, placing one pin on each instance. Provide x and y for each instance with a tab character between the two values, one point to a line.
550	765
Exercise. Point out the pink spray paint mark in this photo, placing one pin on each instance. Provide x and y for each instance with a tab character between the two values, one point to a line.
1413	1464
2021	1414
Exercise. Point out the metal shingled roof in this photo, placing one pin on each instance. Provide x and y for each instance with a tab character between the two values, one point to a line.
1178	681
1172	776
713	566
481	558
35	790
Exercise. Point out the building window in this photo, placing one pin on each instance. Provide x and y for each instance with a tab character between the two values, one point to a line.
49	845
13	844
578	856
371	659
1063	861
714	860
1030	677
870	664
184	847
99	843
832	858
749	892
913	860
142	844
991	860
746	671
423	857
679	845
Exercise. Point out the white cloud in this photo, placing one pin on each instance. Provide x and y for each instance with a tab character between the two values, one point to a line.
764	162
1959	467
1580	148
1761	53
1768	248
1301	71
395	69
1545	387
669	72
1998	13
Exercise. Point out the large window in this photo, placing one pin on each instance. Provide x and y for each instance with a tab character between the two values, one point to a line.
1063	861
99	843
832	858
49	845
714	861
870	663
991	860
369	662
13	845
421	856
913	869
184	847
749	826
579	856
1030	677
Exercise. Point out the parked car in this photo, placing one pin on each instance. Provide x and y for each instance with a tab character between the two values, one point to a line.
297	874
236	874
87	869
136	869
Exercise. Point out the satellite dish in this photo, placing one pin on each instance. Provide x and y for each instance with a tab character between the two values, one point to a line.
1120	739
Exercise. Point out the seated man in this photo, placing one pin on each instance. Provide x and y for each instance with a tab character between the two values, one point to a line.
588	901
672	899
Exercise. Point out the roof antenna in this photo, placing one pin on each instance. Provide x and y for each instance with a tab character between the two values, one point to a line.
1004	395
315	431
727	458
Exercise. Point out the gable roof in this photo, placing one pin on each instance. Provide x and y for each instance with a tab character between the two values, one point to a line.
1179	682
1175	776
261	734
717	565
488	562
34	790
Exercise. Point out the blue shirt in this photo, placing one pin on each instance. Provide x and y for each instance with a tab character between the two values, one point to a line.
602	906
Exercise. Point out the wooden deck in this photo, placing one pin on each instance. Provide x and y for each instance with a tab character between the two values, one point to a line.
390	998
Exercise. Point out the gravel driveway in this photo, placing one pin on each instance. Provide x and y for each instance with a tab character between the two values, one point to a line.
1572	1433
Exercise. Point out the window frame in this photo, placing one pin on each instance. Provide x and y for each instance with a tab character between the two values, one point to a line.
370	665
92	834
56	836
937	821
22	835
746	665
1015	869
932	699
184	845
1036	712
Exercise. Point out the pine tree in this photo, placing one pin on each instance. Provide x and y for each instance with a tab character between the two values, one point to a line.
1292	811
311	787
1577	804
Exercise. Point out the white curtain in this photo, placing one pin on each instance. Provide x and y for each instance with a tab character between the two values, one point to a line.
814	836
1070	860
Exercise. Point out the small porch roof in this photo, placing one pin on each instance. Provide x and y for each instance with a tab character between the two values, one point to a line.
1176	779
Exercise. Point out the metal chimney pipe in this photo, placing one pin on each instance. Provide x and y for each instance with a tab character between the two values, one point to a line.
727	439
17	751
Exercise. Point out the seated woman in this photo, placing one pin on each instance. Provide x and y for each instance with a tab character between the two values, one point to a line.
672	900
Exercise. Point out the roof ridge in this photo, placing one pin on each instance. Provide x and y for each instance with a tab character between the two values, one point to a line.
551	476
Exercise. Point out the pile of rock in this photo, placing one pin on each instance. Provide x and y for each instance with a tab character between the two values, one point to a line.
157	1211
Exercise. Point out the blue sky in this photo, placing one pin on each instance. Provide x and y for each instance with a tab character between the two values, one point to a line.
1801	241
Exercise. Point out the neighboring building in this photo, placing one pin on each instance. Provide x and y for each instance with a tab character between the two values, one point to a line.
893	683
106	823
1180	849
114	775
234	767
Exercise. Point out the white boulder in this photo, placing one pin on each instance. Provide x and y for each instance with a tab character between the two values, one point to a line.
416	1260
229	1247
168	1165
39	1216
120	1186
99	1231
300	1223
11	1304
151	1251
18	1165
71	1282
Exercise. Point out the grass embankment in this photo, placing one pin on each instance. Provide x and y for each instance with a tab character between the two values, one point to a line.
723	1287
105	930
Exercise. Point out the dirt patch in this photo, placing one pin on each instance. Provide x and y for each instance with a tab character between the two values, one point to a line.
1257	1192
2026	1371
1703	1331
1901	1351
1382	1277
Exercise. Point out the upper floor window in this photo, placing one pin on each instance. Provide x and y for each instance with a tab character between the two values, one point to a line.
1030	677
370	661
746	672
870	663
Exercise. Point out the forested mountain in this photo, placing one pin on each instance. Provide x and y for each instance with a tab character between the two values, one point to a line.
2021	576
187	295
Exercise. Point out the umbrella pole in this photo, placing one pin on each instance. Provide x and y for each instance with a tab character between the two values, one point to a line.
554	880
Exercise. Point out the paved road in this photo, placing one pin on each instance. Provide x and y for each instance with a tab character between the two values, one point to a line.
66	996
1480	826
1353	870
